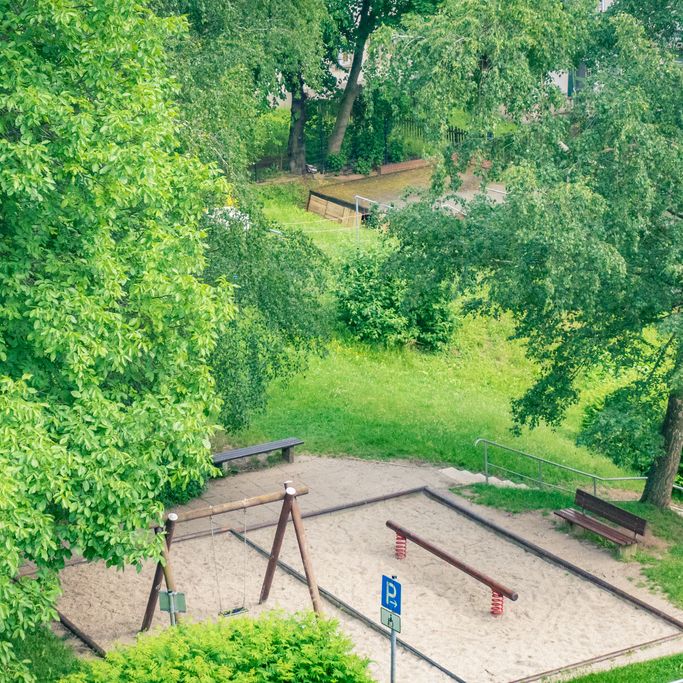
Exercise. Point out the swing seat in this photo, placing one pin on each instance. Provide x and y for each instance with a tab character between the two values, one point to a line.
233	612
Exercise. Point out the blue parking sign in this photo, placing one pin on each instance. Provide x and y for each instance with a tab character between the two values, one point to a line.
391	594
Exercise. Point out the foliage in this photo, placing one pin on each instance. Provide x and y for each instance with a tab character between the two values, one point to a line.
270	648
625	426
280	276
270	135
662	21
376	303
363	166
47	657
335	162
663	669
235	59
370	296
585	250
471	57
615	186
105	328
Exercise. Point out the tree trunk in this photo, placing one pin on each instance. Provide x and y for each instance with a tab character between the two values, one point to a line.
352	88
662	474
296	146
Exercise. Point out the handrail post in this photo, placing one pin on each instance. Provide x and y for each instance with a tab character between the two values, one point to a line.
540	473
486	461
595	486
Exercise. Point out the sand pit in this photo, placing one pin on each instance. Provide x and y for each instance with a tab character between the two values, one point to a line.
558	620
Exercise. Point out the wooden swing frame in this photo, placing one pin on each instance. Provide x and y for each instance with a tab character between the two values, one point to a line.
290	507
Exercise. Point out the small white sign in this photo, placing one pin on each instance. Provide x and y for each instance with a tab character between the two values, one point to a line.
390	620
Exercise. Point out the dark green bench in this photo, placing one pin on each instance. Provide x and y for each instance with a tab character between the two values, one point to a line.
627	521
284	445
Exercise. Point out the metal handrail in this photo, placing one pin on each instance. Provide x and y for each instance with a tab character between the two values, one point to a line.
595	477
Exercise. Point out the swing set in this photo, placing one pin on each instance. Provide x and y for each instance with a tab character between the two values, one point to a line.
174	601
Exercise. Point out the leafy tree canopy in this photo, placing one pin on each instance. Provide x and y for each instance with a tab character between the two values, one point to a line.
105	329
280	277
585	251
481	58
236	61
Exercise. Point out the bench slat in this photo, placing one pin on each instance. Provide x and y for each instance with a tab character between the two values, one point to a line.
614	535
611	512
258	449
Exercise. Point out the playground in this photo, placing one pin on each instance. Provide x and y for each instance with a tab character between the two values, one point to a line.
560	618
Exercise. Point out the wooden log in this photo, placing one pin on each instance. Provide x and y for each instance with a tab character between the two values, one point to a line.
277	547
169	528
450	559
305	556
212	510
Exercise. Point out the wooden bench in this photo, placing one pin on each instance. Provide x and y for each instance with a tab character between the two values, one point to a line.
284	445
625	542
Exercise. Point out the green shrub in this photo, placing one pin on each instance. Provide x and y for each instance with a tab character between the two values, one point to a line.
180	494
335	162
363	166
396	150
369	298
268	649
380	300
271	133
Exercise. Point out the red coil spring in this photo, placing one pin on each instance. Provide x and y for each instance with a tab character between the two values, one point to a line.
400	547
496	603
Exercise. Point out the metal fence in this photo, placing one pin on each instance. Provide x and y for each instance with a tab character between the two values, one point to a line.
543	472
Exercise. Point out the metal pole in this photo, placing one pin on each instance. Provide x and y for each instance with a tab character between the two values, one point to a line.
393	643
357	222
393	655
595	486
486	461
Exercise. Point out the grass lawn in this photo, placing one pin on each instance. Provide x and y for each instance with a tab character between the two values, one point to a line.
48	657
385	403
664	569
286	204
657	671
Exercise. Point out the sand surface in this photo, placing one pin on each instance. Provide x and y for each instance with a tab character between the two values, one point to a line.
558	620
108	604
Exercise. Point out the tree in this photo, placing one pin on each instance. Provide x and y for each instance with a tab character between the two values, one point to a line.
485	61
280	278
105	329
355	21
238	59
585	252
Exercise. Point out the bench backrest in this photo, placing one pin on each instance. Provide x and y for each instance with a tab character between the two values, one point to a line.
611	512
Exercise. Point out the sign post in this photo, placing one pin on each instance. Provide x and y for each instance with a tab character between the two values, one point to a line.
390	614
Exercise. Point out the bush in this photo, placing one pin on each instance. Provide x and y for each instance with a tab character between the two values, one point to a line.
369	298
363	166
268	649
380	300
335	162
396	150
